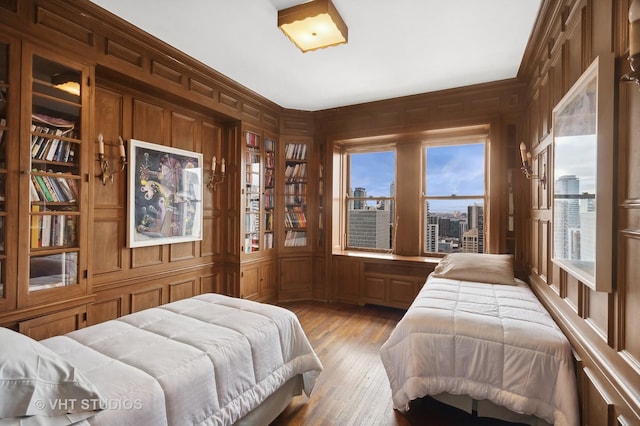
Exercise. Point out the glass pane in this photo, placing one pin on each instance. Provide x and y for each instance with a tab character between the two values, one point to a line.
455	170
372	174
370	224
55	270
454	226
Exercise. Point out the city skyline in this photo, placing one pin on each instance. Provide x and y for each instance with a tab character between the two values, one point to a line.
451	169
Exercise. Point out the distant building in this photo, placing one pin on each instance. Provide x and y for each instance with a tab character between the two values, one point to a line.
369	229
566	218
475	220
471	241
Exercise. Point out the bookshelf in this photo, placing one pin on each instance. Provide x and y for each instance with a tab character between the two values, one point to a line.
54	176
252	189
269	192
4	135
295	194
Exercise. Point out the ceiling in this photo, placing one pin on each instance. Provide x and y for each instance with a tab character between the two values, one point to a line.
396	48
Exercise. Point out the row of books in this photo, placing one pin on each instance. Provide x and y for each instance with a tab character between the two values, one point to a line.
253	139
53	230
268	222
57	189
269	199
252	243
296	151
269	145
3	124
45	138
295	172
295	239
251	223
269	160
268	177
268	240
295	219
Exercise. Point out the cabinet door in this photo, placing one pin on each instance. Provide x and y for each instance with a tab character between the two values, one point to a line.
268	285
249	281
295	195
252	189
9	91
55	93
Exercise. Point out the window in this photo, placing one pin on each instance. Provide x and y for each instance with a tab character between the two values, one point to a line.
454	198
370	200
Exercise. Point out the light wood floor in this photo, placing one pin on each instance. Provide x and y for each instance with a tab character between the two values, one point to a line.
353	389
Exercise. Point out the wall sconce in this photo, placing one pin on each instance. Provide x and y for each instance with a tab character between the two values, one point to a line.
313	25
634	43
216	178
106	172
526	166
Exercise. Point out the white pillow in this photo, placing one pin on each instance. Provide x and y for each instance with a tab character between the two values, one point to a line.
35	381
485	268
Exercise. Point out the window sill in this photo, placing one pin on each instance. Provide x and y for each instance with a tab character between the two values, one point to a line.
387	256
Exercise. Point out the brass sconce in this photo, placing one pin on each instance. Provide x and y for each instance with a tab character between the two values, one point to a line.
526	166
216	178
634	43
106	172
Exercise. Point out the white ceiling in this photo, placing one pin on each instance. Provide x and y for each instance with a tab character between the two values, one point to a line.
396	47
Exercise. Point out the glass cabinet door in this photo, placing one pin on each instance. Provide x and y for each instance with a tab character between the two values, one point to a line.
295	195
4	131
252	188
269	192
55	180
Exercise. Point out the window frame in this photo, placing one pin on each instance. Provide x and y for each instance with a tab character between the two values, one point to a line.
372	148
454	138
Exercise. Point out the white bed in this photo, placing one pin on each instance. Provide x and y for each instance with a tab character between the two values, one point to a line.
471	343
211	360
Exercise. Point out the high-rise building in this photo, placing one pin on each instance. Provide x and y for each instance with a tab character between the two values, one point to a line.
359	204
475	220
566	218
369	229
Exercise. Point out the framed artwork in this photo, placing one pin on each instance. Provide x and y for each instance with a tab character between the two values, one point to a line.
165	195
583	177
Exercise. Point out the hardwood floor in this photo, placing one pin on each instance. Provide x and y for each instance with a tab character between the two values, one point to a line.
353	389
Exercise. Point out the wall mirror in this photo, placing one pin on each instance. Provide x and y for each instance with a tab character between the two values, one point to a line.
583	177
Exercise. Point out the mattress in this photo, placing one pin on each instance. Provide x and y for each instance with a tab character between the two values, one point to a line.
490	342
208	360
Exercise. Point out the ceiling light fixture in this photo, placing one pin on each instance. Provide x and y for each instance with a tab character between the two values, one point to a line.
313	25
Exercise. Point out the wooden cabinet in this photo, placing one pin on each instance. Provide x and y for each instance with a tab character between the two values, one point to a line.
295	193
258	236
53	228
44	122
258	194
392	281
258	281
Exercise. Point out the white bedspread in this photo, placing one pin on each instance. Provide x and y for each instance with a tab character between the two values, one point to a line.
210	359
494	342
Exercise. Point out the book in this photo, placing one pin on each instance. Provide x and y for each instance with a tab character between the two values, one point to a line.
36	225
69	196
43	187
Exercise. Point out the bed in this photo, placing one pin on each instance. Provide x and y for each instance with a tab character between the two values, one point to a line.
477	338
210	359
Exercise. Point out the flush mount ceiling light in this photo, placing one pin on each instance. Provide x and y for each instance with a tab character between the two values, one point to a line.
313	25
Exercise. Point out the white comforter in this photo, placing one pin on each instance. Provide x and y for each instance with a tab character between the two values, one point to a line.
494	342
210	359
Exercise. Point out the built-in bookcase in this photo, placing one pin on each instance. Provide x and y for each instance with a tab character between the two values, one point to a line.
4	136
54	178
259	193
295	195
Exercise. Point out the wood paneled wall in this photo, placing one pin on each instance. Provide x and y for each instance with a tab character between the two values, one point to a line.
603	327
127	280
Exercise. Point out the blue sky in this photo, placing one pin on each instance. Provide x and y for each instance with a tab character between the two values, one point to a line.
452	169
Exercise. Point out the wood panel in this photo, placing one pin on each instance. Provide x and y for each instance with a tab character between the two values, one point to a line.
54	324
346	279
105	310
182	290
108	241
296	279
249	279
146	298
212	283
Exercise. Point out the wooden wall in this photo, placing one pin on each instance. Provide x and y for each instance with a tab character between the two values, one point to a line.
603	327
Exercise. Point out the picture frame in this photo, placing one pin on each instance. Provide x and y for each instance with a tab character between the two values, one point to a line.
165	195
583	165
